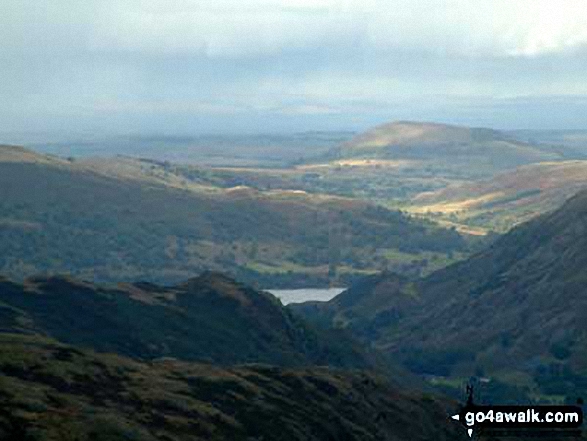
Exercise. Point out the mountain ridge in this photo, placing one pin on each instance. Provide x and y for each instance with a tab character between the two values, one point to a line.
446	150
516	307
52	391
186	321
508	198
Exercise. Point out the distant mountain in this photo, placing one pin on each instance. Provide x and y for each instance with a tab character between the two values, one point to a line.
509	198
446	149
50	391
517	311
209	318
123	219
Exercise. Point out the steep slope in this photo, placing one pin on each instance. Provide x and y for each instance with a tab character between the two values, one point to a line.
522	300
49	391
520	306
128	224
209	318
445	149
507	199
18	154
369	308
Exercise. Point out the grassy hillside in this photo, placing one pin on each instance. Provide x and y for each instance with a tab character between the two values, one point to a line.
129	220
446	149
53	392
406	165
515	312
382	181
209	318
507	199
401	164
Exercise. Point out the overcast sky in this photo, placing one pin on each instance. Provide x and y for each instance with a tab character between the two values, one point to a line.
189	66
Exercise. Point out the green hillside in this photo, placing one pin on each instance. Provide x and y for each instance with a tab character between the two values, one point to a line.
140	221
447	149
507	199
515	312
406	165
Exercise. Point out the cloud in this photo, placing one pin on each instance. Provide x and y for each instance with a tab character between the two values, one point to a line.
291	58
487	27
226	28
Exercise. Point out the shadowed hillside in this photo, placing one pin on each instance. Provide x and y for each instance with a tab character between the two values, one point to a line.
209	318
50	392
515	311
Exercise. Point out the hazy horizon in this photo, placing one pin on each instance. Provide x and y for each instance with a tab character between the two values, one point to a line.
268	66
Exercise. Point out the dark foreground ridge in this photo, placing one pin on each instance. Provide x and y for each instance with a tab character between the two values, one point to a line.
49	391
211	318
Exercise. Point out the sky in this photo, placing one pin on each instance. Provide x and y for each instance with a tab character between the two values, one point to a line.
192	67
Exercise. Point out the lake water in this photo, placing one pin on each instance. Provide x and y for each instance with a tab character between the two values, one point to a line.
304	295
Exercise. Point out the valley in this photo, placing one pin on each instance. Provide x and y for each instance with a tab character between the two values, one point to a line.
125	219
507	199
513	313
462	259
293	220
311	222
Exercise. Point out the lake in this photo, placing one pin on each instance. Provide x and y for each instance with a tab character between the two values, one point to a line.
304	295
